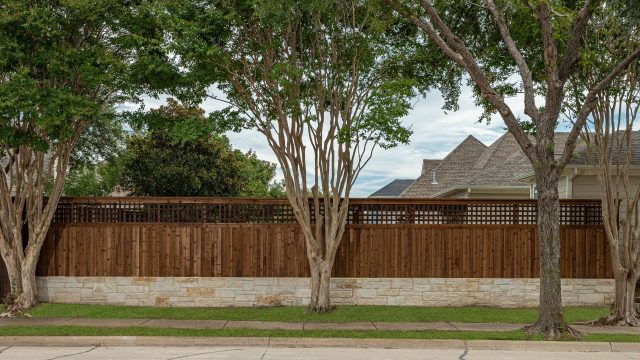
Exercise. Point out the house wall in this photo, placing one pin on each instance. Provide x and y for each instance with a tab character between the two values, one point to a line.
499	194
489	194
588	186
214	292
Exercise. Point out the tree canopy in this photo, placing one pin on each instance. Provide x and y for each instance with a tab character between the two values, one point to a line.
179	155
64	67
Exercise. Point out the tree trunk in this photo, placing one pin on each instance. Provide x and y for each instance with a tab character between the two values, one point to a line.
13	273
28	298
320	300
550	319
624	312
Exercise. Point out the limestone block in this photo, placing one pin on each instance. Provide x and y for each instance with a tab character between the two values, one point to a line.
141	281
55	284
131	289
289	282
373	301
138	296
225	293
66	297
388	292
236	283
365	293
161	301
115	298
122	280
248	285
303	293
455	281
207	302
90	279
342	301
183	302
374	283
164	284
505	281
594	299
214	283
413	300
147	302
200	292
421	287
105	287
341	294
272	300
188	280
401	283
245	298
395	300
344	284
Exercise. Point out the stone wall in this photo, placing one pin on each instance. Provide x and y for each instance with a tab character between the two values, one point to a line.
201	291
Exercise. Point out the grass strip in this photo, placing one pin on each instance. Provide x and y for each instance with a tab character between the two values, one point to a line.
343	313
368	334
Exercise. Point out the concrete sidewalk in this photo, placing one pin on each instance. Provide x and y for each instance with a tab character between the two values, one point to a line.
460	346
274	325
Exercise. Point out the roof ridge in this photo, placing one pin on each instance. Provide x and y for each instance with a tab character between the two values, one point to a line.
470	143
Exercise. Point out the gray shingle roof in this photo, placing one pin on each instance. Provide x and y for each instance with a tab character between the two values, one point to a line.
502	164
459	164
393	189
581	156
472	164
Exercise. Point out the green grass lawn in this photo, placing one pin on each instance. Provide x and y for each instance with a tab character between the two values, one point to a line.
371	334
345	313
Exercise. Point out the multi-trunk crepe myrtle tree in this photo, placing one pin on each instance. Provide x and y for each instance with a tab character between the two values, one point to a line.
610	144
63	67
320	81
530	47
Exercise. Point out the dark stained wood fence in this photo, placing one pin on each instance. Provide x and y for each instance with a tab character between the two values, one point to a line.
259	238
239	250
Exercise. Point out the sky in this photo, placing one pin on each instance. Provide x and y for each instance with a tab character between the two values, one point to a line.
435	134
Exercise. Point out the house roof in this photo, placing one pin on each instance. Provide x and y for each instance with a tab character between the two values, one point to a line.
393	189
474	165
459	164
581	156
502	164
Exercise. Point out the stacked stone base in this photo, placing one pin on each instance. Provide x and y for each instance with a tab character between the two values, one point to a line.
214	292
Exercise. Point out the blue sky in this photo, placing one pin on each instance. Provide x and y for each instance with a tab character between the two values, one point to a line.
435	133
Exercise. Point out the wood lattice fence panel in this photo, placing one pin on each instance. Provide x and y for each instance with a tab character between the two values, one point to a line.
361	211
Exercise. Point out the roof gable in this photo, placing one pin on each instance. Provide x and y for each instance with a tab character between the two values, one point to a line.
393	189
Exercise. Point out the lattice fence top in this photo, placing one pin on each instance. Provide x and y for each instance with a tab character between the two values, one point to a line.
276	211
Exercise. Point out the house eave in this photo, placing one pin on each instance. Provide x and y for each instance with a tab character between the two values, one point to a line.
486	188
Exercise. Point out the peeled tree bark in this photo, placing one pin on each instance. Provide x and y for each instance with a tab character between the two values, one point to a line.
550	81
312	77
609	145
22	187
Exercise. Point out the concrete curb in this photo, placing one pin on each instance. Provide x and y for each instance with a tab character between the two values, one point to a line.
164	341
293	325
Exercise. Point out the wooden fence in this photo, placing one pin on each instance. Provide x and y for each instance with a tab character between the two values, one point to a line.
259	238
